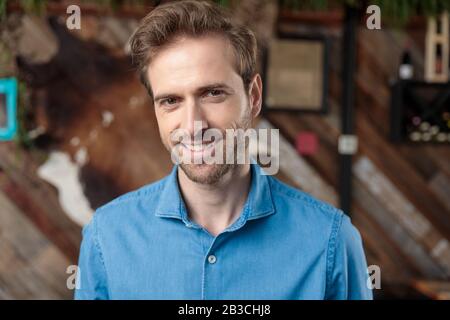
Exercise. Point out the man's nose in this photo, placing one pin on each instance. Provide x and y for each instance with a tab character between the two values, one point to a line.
194	121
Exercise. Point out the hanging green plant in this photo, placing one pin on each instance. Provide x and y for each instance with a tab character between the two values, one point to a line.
394	10
34	6
22	138
2	9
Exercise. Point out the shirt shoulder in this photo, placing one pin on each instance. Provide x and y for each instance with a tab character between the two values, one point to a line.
306	205
131	199
311	220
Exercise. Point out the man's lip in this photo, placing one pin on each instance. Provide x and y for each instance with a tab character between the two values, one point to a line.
199	146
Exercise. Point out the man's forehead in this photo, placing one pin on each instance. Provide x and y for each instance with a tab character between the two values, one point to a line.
189	51
192	61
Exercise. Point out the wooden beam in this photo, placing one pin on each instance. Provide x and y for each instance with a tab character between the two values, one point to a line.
37	199
31	267
404	214
437	290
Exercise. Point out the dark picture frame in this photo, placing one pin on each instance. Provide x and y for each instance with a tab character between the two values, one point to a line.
280	79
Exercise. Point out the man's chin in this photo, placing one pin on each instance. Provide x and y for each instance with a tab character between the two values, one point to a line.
205	173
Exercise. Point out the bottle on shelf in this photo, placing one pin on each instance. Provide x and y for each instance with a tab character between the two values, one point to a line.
406	68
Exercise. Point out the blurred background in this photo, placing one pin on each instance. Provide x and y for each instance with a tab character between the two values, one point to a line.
358	89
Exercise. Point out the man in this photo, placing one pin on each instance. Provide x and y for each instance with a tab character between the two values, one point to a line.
220	230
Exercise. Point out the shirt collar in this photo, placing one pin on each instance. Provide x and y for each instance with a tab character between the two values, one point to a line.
258	204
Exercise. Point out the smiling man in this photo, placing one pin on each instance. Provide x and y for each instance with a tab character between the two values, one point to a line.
222	230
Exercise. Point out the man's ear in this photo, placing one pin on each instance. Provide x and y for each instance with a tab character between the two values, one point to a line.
255	94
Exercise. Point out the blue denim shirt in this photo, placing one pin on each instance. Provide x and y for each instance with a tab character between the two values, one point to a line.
284	245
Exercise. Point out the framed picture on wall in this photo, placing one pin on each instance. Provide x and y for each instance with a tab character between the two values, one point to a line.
8	106
295	73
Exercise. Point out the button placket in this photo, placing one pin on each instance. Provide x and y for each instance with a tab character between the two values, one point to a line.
210	265
212	259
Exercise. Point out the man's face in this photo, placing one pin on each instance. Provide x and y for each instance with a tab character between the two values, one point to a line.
194	79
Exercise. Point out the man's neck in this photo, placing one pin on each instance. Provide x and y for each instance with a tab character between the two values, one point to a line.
215	207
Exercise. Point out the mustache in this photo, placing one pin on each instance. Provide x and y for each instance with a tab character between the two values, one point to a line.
203	136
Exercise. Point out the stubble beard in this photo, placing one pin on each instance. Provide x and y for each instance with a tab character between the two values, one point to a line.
211	174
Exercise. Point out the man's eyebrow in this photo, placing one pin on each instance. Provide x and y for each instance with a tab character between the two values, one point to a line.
163	96
217	85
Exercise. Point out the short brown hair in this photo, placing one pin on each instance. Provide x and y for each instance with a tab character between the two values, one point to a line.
191	18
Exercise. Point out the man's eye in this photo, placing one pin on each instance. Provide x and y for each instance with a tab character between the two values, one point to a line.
169	101
214	93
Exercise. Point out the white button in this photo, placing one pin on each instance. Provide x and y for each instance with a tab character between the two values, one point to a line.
212	259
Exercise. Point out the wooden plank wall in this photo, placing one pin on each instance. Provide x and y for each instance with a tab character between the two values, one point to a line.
31	266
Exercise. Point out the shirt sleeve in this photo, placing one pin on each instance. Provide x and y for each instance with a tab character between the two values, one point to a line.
91	281
347	266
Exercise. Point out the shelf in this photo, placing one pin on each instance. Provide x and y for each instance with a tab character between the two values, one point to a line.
420	112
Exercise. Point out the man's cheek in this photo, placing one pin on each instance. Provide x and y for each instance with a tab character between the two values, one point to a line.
229	114
165	137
